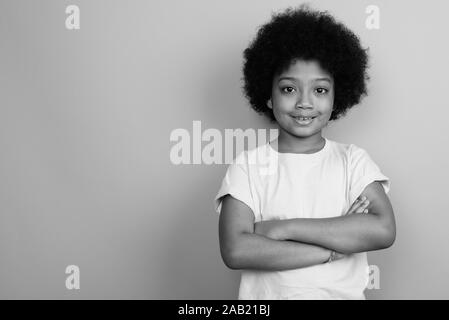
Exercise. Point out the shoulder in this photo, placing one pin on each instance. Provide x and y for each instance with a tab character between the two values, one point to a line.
358	154
349	150
256	162
351	154
253	156
245	158
341	149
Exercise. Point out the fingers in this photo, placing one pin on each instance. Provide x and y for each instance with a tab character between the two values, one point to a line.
363	208
338	256
359	206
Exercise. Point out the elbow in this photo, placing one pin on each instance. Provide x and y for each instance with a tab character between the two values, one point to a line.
231	259
231	262
232	255
391	238
388	236
236	252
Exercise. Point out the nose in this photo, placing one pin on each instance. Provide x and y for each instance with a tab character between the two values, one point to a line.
303	102
305	105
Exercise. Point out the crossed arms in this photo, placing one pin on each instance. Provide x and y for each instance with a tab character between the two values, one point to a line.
303	242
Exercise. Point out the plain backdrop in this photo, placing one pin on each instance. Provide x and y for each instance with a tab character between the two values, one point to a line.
85	122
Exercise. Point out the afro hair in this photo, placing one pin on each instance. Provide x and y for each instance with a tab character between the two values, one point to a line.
305	34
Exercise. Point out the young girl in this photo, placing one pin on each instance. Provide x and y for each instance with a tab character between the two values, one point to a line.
302	230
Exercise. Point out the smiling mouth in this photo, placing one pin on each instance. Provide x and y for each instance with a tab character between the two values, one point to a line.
303	120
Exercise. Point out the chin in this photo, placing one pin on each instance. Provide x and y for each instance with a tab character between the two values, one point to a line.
302	133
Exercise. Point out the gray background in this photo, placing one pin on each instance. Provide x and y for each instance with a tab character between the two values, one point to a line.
85	120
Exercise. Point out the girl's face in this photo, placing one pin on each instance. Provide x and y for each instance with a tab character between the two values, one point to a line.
303	90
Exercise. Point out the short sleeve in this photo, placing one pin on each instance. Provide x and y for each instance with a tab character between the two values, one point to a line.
236	182
363	171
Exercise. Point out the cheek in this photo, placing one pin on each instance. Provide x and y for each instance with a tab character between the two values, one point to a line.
282	105
283	100
326	105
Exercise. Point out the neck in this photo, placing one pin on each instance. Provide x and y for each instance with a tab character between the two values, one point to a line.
294	144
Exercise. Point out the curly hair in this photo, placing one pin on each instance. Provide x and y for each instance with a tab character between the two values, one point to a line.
305	34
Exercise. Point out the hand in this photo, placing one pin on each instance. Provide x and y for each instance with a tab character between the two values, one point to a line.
338	256
359	206
335	256
267	229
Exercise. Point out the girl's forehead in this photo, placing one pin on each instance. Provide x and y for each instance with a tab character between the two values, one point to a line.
304	69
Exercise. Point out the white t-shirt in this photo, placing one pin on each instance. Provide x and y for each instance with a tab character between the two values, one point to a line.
290	185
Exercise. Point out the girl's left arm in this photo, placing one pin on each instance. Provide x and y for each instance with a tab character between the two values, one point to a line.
347	234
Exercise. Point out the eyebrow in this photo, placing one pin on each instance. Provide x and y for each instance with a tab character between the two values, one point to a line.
316	79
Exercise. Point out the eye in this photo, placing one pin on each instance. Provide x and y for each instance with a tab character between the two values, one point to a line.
288	89
321	90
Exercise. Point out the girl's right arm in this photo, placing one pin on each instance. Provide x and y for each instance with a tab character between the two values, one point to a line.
241	248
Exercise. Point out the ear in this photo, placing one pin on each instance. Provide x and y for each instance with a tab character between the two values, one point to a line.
269	104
